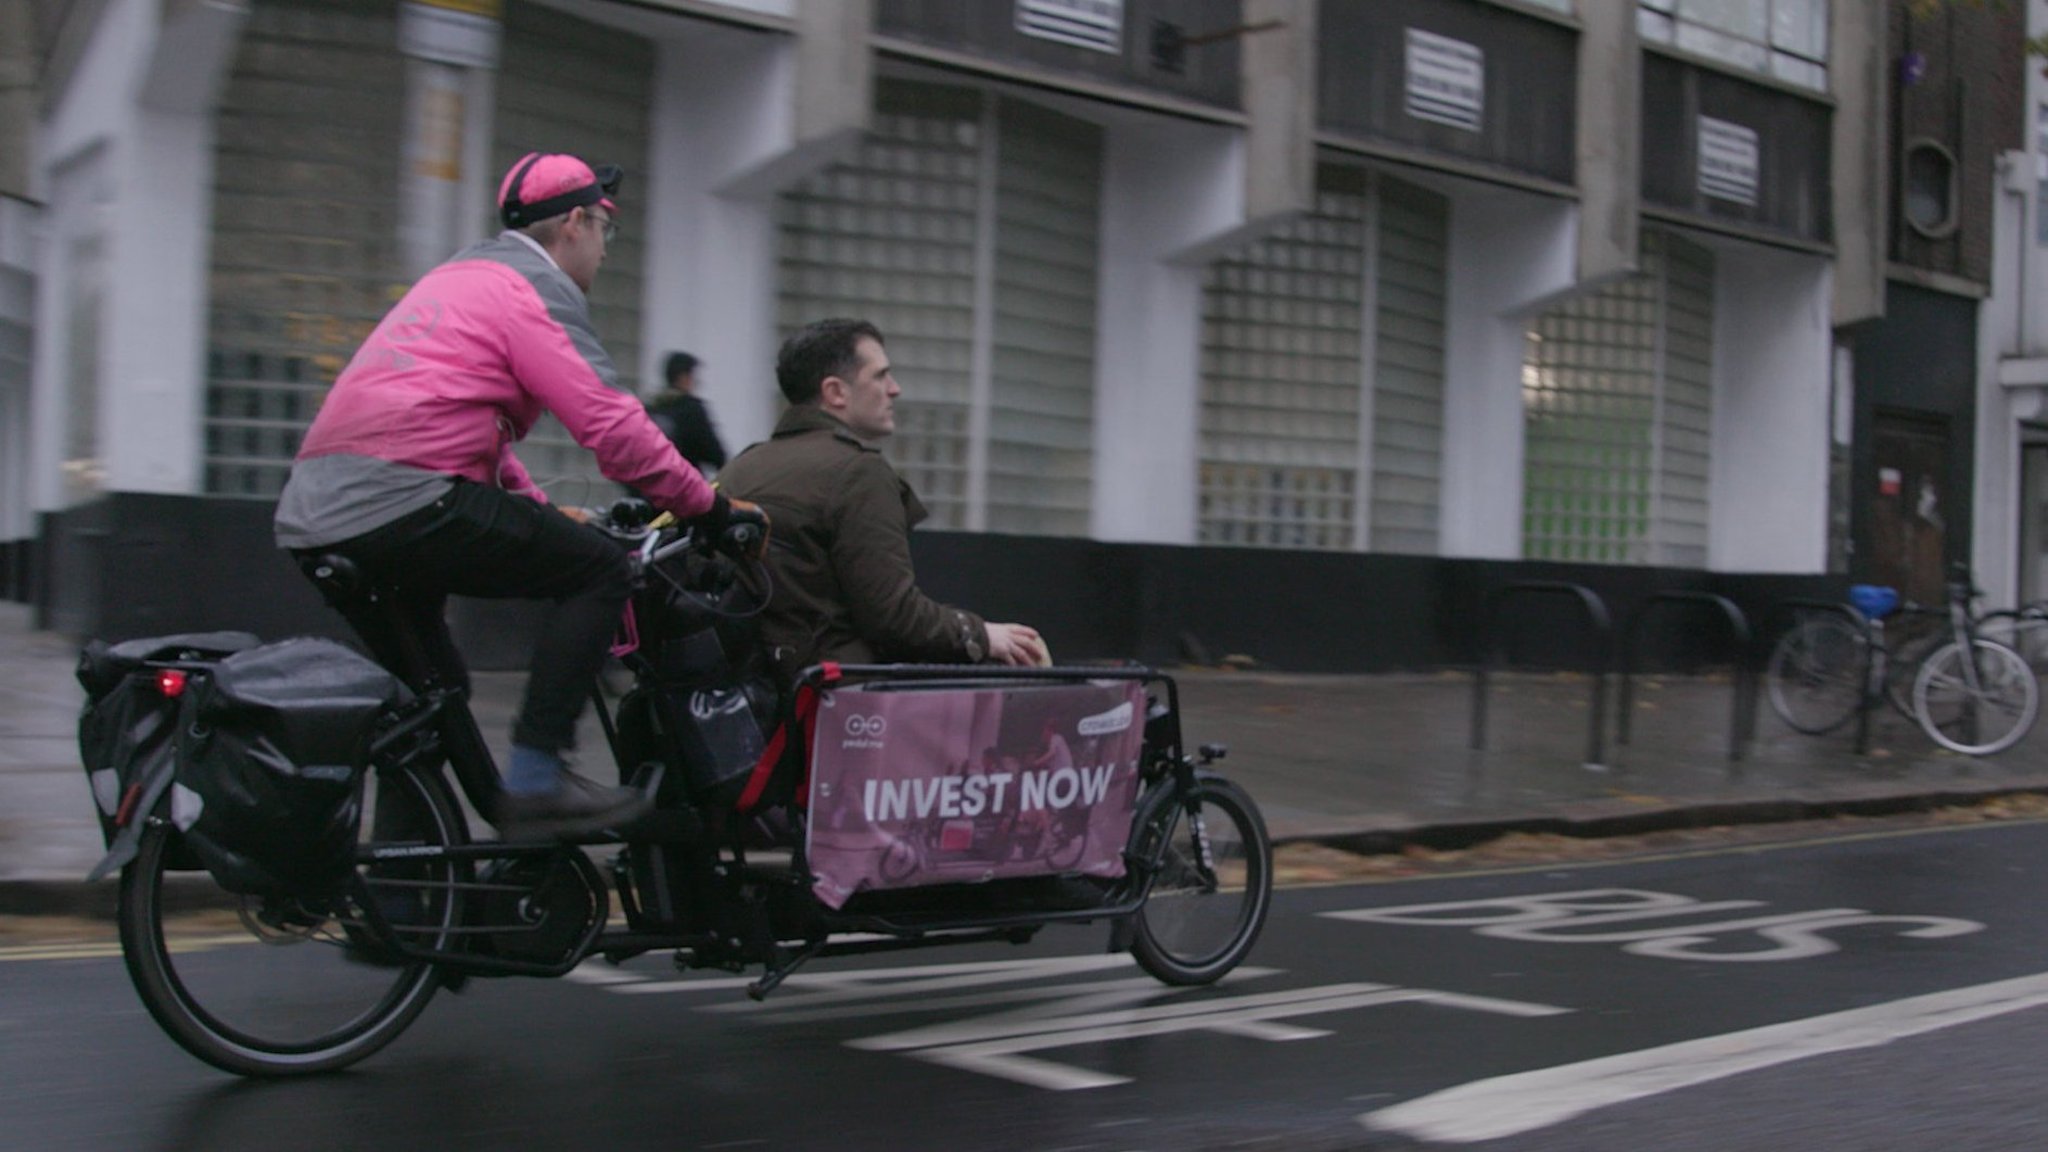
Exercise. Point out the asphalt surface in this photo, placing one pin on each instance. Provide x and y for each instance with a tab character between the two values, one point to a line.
1873	992
1369	762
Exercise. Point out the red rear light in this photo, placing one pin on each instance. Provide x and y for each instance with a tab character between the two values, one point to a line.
171	682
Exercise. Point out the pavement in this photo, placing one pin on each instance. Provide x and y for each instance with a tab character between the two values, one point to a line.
1362	762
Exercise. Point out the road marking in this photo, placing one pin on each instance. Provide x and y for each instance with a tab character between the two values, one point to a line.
1562	917
1525	1101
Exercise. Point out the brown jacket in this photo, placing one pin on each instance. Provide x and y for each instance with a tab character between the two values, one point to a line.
840	552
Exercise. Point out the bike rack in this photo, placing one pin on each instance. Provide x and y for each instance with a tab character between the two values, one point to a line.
1598	621
1862	623
1742	713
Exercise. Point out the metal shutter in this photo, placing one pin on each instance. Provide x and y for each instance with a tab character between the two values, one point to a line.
1408	370
890	236
964	228
567	85
1042	392
1281	355
304	258
1617	389
1287	399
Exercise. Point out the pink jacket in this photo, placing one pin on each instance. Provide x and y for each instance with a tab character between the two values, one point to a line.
471	357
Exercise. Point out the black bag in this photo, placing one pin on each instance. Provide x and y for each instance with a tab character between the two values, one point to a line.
127	733
255	753
271	761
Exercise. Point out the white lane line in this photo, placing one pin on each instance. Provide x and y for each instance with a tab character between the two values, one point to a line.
1509	1105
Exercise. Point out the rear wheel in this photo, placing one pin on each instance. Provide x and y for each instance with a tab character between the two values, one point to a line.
278	986
1213	885
1979	709
1816	673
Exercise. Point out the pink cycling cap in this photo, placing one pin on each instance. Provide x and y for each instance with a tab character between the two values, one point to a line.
544	184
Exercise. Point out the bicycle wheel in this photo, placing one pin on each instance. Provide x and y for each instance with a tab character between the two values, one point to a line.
2023	631
1214	884
1910	638
1816	673
1977	721
275	986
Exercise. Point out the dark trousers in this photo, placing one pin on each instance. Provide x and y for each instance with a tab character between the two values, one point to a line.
480	541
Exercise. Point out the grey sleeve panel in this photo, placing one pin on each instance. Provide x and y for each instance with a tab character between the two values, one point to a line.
566	304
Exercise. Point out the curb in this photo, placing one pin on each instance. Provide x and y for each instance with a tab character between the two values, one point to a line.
1452	835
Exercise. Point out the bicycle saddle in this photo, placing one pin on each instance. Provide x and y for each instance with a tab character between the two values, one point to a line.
1875	601
337	576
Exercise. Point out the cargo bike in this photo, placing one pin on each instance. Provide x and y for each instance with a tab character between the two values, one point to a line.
298	878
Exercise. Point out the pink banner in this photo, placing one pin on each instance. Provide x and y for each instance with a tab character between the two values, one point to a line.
913	786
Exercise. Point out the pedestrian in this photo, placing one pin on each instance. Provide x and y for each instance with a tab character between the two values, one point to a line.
682	416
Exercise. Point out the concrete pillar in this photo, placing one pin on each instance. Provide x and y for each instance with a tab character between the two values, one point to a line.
1609	140
1279	86
1773	348
153	340
1859	74
17	96
1511	254
1172	195
727	134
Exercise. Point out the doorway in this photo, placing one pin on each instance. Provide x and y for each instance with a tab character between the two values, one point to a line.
1910	504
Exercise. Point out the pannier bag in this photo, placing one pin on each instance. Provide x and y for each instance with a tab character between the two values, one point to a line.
127	734
271	743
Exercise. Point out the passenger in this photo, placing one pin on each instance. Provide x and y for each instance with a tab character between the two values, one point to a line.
408	470
845	589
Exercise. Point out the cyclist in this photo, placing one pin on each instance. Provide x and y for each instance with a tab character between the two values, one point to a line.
408	469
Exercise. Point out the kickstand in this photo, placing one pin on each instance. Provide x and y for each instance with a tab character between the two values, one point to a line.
779	971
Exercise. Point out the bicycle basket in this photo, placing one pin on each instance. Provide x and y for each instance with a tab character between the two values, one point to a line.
1875	601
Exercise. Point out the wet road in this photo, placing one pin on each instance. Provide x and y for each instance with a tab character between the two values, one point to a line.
1885	992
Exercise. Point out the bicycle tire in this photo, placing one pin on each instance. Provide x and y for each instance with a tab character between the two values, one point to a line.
290	960
1816	674
1995	716
1197	924
2023	631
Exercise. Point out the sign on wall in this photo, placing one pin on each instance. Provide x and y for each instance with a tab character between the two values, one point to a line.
1728	161
1446	80
1097	24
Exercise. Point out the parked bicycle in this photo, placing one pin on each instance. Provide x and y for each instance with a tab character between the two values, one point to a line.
754	855
1967	691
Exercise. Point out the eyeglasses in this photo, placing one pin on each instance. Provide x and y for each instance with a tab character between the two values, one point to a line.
608	224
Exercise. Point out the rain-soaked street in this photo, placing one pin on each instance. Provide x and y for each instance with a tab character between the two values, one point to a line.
1871	991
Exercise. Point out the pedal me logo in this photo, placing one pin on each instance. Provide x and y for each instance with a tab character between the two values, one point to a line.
1117	719
864	731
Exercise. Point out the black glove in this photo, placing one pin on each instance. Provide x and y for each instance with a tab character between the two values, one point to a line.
740	527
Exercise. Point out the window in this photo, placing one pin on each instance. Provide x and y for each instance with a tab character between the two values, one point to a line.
965	229
1929	180
1617	394
1784	39
1322	376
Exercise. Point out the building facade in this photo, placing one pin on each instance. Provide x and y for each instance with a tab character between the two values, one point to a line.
1283	327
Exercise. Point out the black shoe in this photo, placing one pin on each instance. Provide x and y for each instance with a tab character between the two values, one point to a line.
578	808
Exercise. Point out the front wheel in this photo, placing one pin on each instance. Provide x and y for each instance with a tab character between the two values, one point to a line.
1978	708
284	986
1817	673
1212	885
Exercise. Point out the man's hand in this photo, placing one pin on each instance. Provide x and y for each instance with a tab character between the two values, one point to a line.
746	529
1017	645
